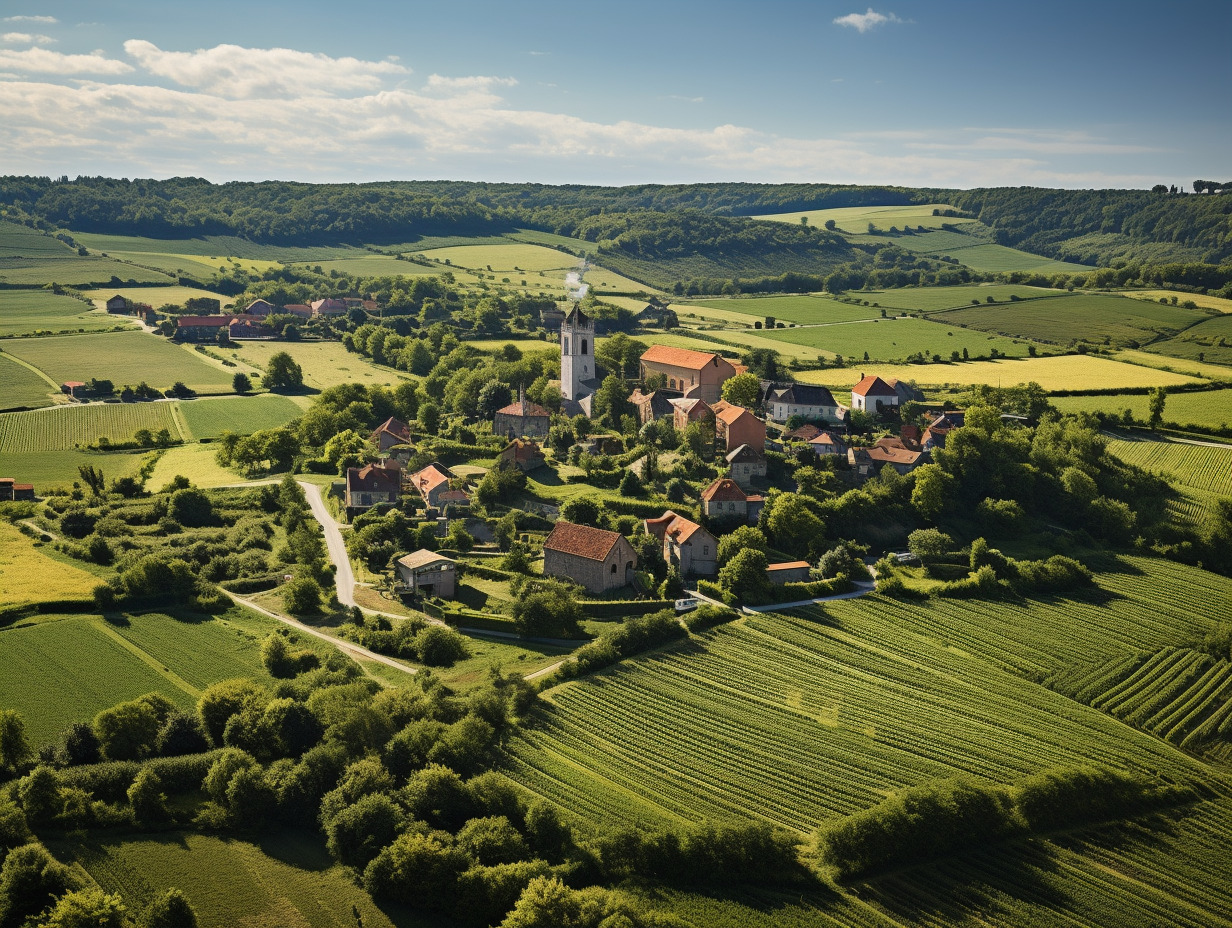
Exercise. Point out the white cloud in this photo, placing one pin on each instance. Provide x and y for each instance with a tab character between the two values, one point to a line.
234	71
25	38
475	83
685	99
41	61
31	19
862	22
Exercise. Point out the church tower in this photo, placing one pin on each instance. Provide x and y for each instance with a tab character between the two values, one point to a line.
577	354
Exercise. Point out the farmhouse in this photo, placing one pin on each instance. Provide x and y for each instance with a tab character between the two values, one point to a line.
686	545
868	462
432	483
698	374
200	328
11	490
392	431
297	309
872	394
597	559
653	405
788	572
524	455
746	464
825	444
935	435
782	401
690	409
735	426
330	306
245	330
428	573
372	485
71	387
522	419
260	308
724	499
117	304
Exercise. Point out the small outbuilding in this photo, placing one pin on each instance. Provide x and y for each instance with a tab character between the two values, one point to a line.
428	573
788	572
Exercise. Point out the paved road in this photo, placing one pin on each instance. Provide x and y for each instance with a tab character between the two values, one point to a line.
344	577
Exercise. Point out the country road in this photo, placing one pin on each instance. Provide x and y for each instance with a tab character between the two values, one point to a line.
344	576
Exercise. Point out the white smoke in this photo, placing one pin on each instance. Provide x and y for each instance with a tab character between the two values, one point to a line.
574	286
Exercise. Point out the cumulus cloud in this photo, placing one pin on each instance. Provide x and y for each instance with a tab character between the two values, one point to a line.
31	19
42	61
25	38
234	71
475	83
862	22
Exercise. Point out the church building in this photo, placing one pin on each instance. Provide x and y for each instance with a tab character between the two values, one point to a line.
578	373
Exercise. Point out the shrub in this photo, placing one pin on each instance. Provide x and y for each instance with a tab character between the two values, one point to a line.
302	596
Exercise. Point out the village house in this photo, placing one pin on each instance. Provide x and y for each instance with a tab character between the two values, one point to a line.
872	395
330	306
825	444
117	304
595	558
690	409
815	403
260	308
428	573
246	330
735	426
522	419
653	405
200	328
392	431
11	490
372	485
525	455
694	373
935	435
297	309
868	462
432	484
73	388
686	545
806	432
725	499
789	572
746	464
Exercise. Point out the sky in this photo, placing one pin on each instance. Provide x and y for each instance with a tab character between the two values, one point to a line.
945	93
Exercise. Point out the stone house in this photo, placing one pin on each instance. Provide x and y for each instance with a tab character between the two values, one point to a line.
524	455
432	484
372	485
868	462
735	426
746	464
654	405
330	306
522	419
827	443
690	409
260	308
428	573
201	328
698	374
724	499
11	490
686	545
117	304
788	572
596	559
393	431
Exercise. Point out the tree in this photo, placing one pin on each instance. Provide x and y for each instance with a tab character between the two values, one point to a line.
129	730
612	400
93	478
86	908
745	575
791	522
30	880
746	536
147	799
170	910
581	510
241	383
223	700
1159	397
14	746
282	373
302	596
494	395
546	614
742	390
620	354
929	544
358	832
191	507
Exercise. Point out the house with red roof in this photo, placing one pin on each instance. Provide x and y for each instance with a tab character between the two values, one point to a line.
654	405
746	464
432	484
686	545
725	499
698	374
525	455
393	431
789	572
522	419
872	395
372	485
824	444
868	462
735	426
689	409
594	558
330	306
11	490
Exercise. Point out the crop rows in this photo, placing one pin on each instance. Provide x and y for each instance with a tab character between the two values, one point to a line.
68	427
1199	466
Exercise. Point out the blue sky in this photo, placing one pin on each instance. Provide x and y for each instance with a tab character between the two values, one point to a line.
947	93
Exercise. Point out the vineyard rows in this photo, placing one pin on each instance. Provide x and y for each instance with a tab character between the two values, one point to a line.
67	427
1199	466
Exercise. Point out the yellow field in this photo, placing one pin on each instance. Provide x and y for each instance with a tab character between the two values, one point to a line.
856	218
1201	299
29	576
325	364
1068	372
1180	365
741	340
515	255
194	461
154	296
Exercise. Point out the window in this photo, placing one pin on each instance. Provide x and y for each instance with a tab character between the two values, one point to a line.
705	550
583	346
613	568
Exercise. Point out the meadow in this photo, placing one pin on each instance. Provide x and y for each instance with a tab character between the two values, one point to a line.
807	309
60	469
1208	341
155	296
1203	300
121	357
24	312
1179	365
1202	467
896	339
20	386
325	364
990	258
936	299
1064	372
67	427
855	219
1210	409
209	418
731	344
1093	317
194	461
18	241
519	257
215	247
27	575
75	271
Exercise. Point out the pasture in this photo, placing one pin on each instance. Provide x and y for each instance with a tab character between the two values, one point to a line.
194	461
285	879
214	247
155	296
60	469
18	241
1203	300
370	265
1209	341
935	299
121	357
1202	467
855	219
27	575
1179	365
733	344
75	271
1208	409
25	312
67	427
1064	372
519	257
325	364
896	339
988	257
209	418
21	386
809	309
1093	317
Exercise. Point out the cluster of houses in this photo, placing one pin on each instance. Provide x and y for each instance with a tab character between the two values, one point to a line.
250	324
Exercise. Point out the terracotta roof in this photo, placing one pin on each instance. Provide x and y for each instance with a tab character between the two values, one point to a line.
594	544
806	432
417	560
328	305
679	357
730	413
430	478
677	526
73	384
7	480
787	565
395	427
888	455
824	438
294	308
371	477
453	496
521	450
524	408
872	385
724	490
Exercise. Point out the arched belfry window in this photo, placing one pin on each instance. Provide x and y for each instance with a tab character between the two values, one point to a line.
583	346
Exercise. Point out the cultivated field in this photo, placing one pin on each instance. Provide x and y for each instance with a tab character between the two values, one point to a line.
209	418
215	247
1093	317
511	257
1065	372
989	257
1179	365
325	364
803	310
370	265
27	575
121	357
935	299
20	386
25	312
896	339
1210	341
76	426
855	219
733	344
46	471
75	271
1203	300
1208	409
1201	467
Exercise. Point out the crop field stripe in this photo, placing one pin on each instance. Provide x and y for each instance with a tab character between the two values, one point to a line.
157	666
30	367
66	427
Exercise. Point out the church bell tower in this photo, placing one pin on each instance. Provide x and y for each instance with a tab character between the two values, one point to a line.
577	354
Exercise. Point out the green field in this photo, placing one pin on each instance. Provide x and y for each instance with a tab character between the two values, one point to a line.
370	265
46	471
519	257
1204	301
1210	341
68	427
28	575
325	364
209	418
803	310
988	257
155	296
1093	317
18	241
284	880
194	461
734	343
936	299
1179	365
855	219
24	312
74	271
1065	372
215	247
1201	467
1208	409
20	386
896	339
121	357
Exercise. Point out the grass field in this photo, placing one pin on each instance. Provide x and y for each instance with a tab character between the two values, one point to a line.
804	310
1210	341
936	299
215	247
325	364
155	296
60	469
20	386
896	339
74	271
287	879
27	575
196	462
1203	300
209	418
511	257
1179	365
1093	317
1208	409
1065	372
855	219
69	427
121	357
18	241
989	257
24	312
1202	467
370	265
733	345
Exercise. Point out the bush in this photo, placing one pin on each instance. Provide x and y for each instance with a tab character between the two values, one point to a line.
707	616
1067	796
302	596
438	646
417	869
632	637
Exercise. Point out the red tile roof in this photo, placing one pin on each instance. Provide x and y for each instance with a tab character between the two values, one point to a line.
430	478
679	357
216	321
872	385
395	427
373	478
524	408
806	432
788	565
677	526
731	414
520	450
724	490
823	438
594	544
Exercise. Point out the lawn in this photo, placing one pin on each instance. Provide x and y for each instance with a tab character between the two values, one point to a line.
24	312
20	386
802	309
1065	372
896	339
1208	341
325	364
67	427
1093	317
1208	409
209	418
27	575
121	357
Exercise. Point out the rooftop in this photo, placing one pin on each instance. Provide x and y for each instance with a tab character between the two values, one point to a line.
594	544
872	385
680	357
